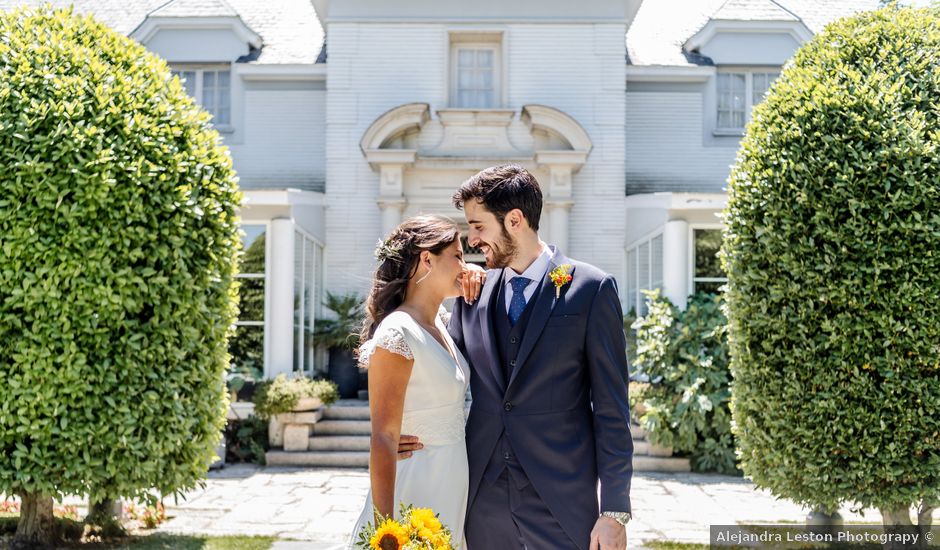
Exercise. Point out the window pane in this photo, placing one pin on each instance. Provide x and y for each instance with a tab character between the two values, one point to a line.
731	100
246	347
657	267
707	243
486	100
253	258
643	273
485	59
464	58
760	84
250	299
631	281
310	303
298	300
463	98
486	79
464	79
188	78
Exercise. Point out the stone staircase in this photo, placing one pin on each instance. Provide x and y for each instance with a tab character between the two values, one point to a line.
341	440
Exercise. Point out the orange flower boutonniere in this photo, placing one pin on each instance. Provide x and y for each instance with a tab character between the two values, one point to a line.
561	276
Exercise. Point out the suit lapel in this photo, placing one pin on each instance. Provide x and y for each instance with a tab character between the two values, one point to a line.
487	295
542	309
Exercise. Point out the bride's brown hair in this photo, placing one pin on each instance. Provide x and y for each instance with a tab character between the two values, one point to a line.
398	257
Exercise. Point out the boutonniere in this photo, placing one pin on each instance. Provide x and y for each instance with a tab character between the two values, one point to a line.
561	276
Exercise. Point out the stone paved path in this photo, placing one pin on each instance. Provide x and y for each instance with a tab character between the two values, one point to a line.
316	508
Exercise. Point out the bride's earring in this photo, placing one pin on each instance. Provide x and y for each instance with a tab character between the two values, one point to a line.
418	282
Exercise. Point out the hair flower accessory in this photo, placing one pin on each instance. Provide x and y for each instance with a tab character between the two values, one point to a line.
561	276
387	249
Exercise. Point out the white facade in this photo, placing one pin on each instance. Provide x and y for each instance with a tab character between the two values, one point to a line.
629	112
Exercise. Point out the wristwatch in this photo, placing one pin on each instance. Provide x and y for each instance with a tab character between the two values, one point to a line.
620	517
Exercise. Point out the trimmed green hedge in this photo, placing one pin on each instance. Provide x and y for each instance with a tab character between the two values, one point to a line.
119	244
685	404
832	251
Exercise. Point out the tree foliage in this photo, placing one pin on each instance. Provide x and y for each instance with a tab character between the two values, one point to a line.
832	251
119	243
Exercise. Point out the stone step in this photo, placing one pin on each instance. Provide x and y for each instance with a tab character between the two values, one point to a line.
339	443
660	464
642	447
342	427
637	432
346	412
338	459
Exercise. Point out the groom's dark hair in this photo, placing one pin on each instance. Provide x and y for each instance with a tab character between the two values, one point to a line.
501	189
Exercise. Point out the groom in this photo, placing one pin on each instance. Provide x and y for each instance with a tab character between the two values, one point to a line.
549	417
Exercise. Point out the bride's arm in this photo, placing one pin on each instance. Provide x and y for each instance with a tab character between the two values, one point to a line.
388	378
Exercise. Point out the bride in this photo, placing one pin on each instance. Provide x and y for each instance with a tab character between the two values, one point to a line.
418	378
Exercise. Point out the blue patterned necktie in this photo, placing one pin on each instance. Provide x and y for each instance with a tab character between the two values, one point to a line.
517	303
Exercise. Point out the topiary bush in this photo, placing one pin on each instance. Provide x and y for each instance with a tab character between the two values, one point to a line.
832	250
119	245
685	403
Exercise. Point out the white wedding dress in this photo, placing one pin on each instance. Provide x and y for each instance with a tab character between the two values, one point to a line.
436	476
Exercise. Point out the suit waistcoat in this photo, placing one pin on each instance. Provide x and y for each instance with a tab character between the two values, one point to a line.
508	339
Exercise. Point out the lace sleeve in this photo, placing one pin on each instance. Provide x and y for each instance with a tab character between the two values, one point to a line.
390	339
444	314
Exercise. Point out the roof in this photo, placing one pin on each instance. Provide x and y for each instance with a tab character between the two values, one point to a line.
662	26
289	28
753	10
195	8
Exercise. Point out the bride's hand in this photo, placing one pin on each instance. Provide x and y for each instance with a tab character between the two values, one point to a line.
407	444
473	278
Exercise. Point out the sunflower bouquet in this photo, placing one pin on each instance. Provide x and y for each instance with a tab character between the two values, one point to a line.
418	529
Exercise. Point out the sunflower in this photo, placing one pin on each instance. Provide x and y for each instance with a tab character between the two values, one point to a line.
424	523
389	536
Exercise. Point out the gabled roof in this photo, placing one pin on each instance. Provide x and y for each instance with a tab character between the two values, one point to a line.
661	27
289	29
195	8
752	10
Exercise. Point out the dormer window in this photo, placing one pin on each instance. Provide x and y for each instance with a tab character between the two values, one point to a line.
211	87
738	92
475	70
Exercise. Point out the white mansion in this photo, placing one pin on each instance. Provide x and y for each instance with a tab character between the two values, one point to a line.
345	116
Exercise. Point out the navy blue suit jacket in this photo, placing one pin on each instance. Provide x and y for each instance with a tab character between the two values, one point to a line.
564	408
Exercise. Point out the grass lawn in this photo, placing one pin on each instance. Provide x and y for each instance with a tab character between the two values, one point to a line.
157	541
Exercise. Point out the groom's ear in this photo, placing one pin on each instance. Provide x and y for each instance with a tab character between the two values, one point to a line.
515	220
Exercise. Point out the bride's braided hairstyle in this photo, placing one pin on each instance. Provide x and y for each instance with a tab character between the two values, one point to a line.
398	257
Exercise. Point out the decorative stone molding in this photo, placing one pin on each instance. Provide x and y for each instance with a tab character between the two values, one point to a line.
391	126
475	132
553	121
470	140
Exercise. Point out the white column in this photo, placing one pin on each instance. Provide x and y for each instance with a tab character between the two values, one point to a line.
391	213
676	262
391	196
280	323
558	223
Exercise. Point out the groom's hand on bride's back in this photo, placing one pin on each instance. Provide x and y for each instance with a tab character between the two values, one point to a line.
407	444
472	282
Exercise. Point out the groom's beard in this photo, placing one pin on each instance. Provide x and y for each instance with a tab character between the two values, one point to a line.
502	252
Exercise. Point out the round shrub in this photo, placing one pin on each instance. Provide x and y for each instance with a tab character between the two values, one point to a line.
832	251
119	244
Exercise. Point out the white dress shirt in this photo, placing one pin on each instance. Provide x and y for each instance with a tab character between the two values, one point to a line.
535	272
